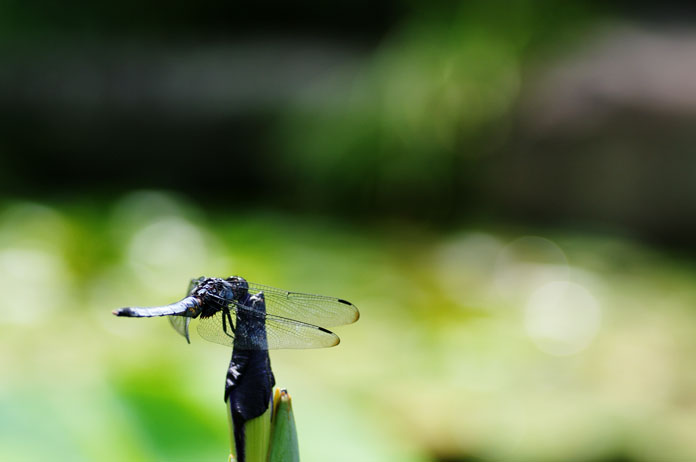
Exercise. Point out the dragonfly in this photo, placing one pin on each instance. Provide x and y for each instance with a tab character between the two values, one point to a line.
228	313
252	319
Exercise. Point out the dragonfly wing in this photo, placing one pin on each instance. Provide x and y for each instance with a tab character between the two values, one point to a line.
181	325
307	308
212	329
279	332
288	333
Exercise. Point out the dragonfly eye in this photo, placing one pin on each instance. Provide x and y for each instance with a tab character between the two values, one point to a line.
238	282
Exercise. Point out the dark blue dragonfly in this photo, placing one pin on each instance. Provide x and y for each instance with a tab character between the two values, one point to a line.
290	319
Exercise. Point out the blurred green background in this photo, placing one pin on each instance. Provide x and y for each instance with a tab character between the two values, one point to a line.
506	190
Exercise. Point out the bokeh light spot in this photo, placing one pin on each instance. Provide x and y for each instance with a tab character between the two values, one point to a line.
526	264
167	253
562	318
33	283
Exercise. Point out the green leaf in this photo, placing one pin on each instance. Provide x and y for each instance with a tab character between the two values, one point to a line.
284	446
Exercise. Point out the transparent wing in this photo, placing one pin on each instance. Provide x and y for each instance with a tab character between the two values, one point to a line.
212	330
181	325
287	333
307	308
279	332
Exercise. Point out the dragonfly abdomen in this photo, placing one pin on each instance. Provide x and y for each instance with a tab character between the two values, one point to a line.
189	306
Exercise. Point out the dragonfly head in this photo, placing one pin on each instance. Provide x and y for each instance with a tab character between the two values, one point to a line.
240	286
215	293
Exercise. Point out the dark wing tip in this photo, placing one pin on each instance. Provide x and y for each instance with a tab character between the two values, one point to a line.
337	340
357	313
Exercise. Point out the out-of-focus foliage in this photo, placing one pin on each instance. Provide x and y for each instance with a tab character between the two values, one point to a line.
486	343
403	131
399	128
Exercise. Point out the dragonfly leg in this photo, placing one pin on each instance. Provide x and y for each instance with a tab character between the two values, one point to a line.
226	317
229	319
